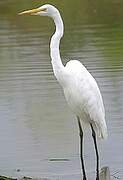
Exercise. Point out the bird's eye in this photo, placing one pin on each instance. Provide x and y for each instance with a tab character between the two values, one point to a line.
44	9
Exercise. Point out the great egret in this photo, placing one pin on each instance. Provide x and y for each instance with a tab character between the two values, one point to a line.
80	88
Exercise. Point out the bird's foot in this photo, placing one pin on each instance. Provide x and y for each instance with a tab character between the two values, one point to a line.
97	178
84	178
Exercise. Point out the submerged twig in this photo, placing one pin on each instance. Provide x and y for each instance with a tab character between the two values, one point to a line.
105	173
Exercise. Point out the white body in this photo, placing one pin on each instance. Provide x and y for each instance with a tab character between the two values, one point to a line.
80	88
84	97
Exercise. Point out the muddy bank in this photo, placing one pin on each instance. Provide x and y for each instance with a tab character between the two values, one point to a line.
104	175
23	178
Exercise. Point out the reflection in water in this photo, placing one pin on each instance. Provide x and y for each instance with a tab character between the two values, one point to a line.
36	124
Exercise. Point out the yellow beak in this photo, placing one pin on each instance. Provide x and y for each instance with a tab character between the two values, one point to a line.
32	11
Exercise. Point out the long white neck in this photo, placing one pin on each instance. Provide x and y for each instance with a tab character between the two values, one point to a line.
58	67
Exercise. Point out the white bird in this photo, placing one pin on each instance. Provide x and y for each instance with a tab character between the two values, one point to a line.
80	88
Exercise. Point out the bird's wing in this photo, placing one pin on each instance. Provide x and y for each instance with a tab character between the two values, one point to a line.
83	94
83	88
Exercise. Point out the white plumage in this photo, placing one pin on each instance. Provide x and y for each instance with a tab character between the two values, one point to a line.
84	97
80	88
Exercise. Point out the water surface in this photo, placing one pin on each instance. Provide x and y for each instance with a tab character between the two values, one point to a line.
38	132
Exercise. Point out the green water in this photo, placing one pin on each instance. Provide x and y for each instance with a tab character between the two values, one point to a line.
38	133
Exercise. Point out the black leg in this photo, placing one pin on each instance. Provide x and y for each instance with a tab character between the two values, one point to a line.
96	149
81	149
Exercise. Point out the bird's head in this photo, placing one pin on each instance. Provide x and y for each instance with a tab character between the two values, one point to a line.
45	10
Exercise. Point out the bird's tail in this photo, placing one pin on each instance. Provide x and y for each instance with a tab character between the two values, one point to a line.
101	129
104	133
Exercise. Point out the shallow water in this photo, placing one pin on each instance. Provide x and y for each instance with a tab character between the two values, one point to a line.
38	132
